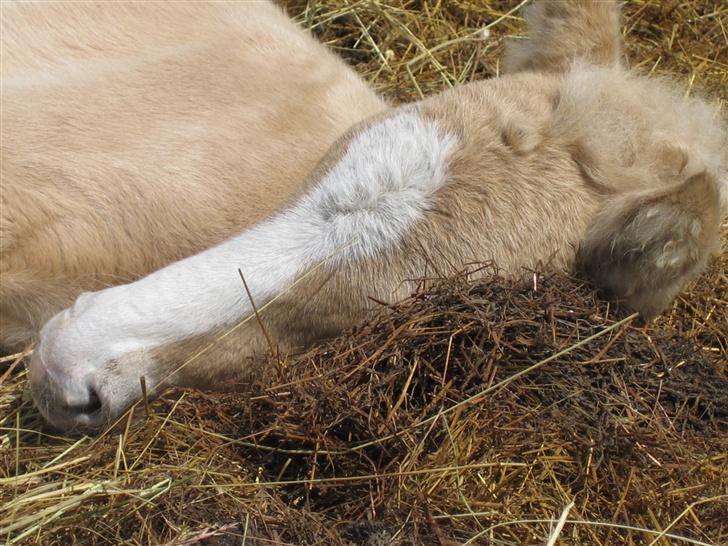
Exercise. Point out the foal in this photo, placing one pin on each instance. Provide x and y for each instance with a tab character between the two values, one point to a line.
568	160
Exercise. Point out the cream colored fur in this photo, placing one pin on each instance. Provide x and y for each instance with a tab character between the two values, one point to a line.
135	134
569	161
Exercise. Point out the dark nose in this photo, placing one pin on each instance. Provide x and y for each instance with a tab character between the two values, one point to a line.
93	404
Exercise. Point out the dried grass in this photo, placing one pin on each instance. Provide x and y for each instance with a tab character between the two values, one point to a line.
471	413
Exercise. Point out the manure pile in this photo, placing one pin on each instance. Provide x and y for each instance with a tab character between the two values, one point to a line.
488	412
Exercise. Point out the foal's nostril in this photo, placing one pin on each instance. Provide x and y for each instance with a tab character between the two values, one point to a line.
93	405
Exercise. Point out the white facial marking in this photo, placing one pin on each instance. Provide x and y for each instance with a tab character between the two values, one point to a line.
366	203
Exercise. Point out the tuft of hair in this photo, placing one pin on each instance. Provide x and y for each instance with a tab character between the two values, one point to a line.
560	31
644	246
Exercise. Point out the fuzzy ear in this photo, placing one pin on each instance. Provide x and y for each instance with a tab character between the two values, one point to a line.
643	247
563	30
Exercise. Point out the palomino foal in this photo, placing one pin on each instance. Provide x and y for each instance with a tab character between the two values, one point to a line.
568	160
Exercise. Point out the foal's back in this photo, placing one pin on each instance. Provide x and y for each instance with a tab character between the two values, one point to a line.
135	134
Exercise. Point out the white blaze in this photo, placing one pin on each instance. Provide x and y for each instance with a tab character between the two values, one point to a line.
366	203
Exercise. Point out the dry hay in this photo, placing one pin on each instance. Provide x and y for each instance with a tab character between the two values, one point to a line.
471	413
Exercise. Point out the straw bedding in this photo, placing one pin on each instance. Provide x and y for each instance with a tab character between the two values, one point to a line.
471	413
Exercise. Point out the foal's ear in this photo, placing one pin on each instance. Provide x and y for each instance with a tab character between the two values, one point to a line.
560	31
643	247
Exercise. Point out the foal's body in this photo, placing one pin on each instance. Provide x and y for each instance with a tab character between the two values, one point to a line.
563	162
